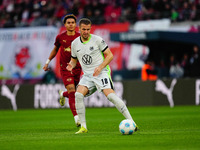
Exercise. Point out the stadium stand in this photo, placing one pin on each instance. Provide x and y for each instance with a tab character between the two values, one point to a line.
23	13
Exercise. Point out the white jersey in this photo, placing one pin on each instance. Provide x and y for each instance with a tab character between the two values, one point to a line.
90	53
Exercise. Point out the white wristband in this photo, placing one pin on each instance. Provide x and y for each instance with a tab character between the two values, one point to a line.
48	61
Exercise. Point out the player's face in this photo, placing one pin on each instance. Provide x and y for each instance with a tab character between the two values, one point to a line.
70	24
85	31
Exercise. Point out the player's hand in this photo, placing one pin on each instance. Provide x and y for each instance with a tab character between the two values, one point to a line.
45	68
69	67
97	71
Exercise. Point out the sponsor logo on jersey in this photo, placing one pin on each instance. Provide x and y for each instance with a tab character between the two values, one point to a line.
68	49
69	79
87	59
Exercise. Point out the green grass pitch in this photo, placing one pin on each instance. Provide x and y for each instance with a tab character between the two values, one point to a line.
161	128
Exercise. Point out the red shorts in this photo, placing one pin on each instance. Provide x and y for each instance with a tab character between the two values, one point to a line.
71	78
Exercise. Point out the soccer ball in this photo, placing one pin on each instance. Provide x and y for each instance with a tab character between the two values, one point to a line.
127	126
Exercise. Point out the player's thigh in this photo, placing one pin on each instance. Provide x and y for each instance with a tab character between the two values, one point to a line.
87	82
82	89
77	74
67	78
70	88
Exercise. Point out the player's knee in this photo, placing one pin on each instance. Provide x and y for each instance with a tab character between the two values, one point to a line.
79	96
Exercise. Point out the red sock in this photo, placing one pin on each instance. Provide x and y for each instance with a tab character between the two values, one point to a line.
72	103
65	94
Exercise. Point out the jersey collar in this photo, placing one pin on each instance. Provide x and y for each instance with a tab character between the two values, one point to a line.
86	41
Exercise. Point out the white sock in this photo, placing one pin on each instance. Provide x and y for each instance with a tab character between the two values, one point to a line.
80	108
120	105
76	119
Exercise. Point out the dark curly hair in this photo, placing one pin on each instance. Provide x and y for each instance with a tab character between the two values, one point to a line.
69	16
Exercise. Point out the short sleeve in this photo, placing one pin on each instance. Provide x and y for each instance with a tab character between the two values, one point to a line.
102	44
57	41
73	54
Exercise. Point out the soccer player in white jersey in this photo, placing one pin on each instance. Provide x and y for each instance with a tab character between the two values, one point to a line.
90	49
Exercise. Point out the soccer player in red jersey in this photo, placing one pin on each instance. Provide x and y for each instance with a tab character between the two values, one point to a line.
70	79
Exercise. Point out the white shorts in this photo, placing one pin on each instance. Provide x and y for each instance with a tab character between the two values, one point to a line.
100	82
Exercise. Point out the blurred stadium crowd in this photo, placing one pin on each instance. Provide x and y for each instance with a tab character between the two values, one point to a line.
23	13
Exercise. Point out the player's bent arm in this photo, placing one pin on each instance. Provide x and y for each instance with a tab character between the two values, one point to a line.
71	64
51	56
53	53
108	58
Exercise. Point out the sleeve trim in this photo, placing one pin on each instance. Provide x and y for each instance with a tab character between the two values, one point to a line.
74	57
104	48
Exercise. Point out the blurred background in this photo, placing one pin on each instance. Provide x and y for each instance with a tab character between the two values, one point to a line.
151	39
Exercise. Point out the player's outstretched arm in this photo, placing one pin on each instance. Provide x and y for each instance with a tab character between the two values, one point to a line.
51	56
71	64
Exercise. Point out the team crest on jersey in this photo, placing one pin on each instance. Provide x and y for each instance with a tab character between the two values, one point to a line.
69	79
64	41
91	48
68	49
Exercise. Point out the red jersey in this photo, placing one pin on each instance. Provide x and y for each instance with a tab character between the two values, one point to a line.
63	41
